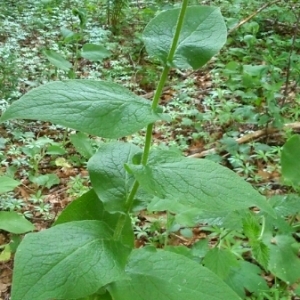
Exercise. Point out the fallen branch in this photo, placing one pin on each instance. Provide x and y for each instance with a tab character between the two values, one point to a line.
250	137
251	16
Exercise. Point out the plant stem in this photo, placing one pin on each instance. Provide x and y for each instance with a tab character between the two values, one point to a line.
155	101
128	205
263	225
163	79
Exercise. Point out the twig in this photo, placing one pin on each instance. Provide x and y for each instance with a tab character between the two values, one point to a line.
151	94
249	137
251	16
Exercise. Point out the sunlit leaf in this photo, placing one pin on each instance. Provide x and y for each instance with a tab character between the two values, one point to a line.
15	223
202	36
99	108
70	261
164	275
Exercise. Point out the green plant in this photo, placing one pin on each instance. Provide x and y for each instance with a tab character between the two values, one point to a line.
8	73
77	186
74	40
88	251
115	13
11	221
36	151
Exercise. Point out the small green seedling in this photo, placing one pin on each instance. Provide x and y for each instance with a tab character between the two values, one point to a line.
11	221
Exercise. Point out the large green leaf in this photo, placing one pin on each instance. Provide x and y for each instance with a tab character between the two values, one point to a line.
165	275
13	222
246	276
290	160
89	207
94	52
196	183
286	205
191	217
202	36
57	60
86	207
105	296
108	176
284	260
7	184
220	261
96	107
70	260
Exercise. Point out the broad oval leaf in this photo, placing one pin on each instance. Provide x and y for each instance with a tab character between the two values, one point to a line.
96	107
68	261
94	52
7	184
82	144
165	275
284	260
13	222
196	183
202	36
290	160
108	176
57	60
89	207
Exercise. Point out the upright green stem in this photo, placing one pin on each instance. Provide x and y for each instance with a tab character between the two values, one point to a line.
157	95
128	205
163	79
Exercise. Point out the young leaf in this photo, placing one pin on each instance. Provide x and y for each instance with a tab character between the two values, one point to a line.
47	180
109	179
200	248
89	207
196	183
5	254
261	252
82	144
290	160
164	275
7	184
202	36
70	260
57	60
14	223
94	52
220	261
246	276
251	226
95	107
56	150
66	33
